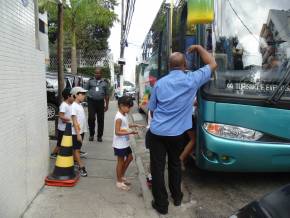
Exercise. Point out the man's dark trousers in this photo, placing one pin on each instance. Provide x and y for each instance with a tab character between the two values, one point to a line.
96	107
160	146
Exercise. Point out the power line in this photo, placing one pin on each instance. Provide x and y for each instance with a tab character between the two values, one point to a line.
130	20
240	19
130	8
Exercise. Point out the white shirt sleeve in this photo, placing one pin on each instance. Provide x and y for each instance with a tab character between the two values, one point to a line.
62	108
73	110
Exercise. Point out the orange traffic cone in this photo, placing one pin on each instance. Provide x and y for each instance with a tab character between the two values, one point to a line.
64	174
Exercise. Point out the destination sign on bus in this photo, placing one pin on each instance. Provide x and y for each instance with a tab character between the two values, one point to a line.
261	87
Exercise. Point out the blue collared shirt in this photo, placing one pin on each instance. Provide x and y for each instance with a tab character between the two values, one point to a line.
172	100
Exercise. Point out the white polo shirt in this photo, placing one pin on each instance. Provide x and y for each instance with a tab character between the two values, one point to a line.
66	109
78	111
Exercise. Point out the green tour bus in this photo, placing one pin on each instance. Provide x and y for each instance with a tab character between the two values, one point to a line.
243	116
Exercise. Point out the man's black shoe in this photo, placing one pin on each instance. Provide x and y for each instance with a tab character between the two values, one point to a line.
177	202
100	139
161	211
91	138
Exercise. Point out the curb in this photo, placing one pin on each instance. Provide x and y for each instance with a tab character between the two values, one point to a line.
146	192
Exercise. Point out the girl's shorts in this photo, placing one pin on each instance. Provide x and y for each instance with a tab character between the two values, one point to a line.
122	152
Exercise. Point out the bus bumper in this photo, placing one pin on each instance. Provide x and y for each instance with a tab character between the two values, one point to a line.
219	154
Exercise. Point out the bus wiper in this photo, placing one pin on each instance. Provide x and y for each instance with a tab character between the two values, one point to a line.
285	81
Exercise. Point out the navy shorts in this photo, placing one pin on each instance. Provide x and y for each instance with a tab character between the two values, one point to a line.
123	152
77	145
59	137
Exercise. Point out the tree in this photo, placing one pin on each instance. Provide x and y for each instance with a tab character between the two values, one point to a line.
45	5
86	13
93	38
87	22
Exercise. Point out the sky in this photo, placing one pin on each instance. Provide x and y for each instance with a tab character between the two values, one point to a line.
145	12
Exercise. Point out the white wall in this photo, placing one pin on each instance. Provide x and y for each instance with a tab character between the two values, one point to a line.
43	37
24	146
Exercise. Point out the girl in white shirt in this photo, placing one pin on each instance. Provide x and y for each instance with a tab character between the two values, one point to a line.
121	141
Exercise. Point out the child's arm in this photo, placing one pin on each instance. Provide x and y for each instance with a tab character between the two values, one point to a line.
63	118
122	132
77	128
136	125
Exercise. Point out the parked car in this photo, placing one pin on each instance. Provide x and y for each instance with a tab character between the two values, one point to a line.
70	81
52	100
273	205
129	89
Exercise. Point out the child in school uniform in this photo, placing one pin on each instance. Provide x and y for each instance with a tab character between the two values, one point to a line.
64	118
79	126
121	145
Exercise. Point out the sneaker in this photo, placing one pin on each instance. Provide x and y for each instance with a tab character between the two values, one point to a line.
100	139
122	186
83	154
53	156
91	138
83	172
149	180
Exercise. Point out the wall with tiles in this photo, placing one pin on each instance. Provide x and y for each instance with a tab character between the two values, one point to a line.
24	149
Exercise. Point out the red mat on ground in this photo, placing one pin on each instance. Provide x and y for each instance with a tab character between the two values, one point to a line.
61	183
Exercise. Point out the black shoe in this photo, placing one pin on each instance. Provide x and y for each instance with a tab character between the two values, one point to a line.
161	211
83	172
177	202
53	156
100	139
91	138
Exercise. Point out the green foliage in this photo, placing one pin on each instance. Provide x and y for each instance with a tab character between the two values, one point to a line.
87	71
90	71
90	20
93	38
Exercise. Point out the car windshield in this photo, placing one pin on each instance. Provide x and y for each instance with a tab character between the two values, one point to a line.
251	43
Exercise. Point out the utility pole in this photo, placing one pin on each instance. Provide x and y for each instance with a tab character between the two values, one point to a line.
121	60
60	39
122	43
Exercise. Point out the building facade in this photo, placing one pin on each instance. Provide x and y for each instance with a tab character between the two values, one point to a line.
24	144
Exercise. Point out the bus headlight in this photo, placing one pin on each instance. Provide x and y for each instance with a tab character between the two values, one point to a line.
232	132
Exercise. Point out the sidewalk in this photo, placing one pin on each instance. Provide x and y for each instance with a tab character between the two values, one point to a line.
95	195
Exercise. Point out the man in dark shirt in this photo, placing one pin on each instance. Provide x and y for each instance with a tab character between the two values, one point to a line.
98	103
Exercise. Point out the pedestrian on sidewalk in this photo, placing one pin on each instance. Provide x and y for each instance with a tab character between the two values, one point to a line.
121	144
171	105
79	126
98	103
64	118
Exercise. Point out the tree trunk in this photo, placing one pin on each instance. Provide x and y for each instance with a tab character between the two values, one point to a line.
60	39
74	66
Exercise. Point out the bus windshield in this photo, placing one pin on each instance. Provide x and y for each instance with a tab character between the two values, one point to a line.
251	44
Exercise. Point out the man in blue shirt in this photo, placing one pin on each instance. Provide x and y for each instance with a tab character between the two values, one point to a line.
171	105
